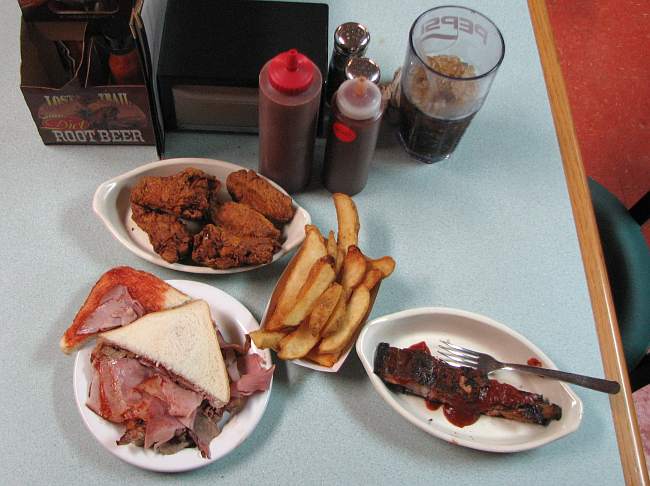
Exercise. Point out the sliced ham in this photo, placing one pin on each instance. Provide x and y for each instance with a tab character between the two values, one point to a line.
157	411
134	433
254	377
94	399
239	349
230	359
161	426
118	379
180	401
205	429
116	308
188	420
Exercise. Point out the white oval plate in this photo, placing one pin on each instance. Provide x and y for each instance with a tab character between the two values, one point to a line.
473	331
111	204
234	322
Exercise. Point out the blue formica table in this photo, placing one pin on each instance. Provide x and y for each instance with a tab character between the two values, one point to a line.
490	231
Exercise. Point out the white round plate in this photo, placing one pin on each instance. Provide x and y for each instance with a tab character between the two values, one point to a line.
482	334
111	204
234	322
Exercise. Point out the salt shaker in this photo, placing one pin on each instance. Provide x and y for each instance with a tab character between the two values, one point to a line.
352	137
289	100
350	40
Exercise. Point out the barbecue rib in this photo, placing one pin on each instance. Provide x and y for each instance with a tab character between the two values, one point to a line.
418	373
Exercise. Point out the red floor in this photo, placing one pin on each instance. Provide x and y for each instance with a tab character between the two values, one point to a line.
603	48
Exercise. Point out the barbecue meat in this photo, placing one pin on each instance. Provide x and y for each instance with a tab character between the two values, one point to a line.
418	373
217	247
247	187
167	234
243	220
185	194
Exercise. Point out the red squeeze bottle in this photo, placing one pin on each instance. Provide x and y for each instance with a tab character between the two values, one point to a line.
289	99
354	126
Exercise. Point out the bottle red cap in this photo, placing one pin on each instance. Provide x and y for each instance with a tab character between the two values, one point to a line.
291	72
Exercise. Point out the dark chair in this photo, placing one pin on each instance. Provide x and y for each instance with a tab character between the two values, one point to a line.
627	258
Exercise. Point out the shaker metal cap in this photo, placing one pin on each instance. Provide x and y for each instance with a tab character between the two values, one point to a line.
351	38
362	66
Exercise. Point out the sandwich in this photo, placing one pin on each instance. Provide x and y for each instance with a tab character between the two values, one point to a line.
160	367
164	377
119	297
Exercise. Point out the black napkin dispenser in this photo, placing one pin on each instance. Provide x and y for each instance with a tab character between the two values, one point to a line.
211	54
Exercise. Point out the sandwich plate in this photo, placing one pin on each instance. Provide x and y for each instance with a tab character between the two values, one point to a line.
473	331
234	322
111	204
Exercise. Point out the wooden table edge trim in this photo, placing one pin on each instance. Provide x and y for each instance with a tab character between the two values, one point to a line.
624	414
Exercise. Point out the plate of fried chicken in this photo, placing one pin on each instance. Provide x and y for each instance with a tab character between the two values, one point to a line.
201	215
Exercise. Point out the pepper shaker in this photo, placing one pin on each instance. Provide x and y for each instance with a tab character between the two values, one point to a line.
357	67
350	40
352	137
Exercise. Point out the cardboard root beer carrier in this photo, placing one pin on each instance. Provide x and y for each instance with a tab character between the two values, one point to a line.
68	81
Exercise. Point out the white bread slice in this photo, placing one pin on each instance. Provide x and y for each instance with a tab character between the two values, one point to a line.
183	341
151	292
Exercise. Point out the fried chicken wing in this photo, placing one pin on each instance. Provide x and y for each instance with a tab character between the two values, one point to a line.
217	247
243	220
185	194
247	187
167	234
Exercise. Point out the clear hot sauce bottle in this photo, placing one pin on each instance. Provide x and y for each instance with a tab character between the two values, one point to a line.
289	100
352	136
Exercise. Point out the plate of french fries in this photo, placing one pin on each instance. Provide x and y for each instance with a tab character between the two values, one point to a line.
324	296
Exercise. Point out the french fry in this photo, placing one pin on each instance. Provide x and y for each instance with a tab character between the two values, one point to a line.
348	220
385	265
298	343
324	307
267	339
325	294
288	288
320	277
332	324
326	360
372	278
354	268
354	316
340	258
331	245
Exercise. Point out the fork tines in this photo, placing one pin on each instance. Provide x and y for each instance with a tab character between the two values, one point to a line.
457	355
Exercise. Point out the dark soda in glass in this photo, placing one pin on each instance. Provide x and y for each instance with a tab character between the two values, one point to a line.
428	138
452	57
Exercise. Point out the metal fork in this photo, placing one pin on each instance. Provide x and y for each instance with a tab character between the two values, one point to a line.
459	356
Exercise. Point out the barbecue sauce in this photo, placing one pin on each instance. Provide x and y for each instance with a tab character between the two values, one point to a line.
433	406
289	100
534	362
461	415
421	346
504	394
